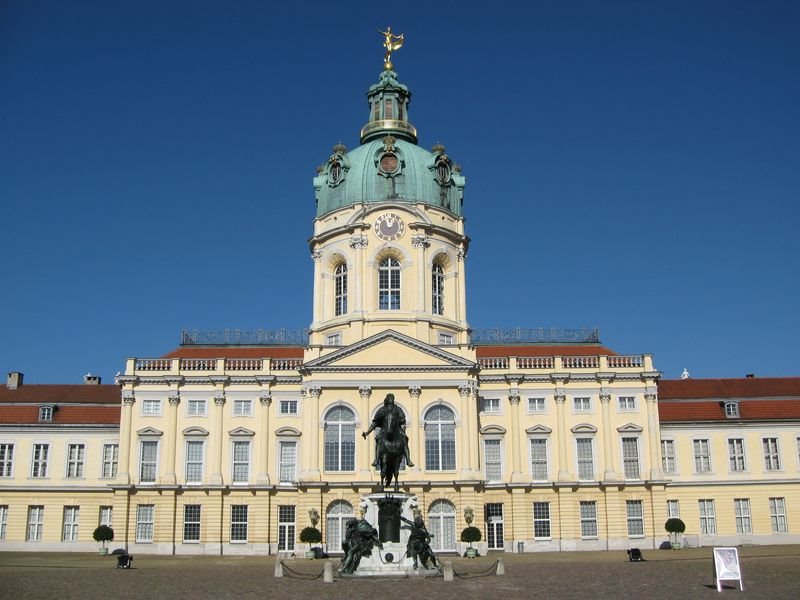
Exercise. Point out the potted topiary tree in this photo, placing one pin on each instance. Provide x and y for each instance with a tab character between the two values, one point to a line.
471	534
103	534
310	535
675	527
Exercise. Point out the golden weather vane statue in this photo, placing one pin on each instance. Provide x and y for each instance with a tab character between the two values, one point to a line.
391	42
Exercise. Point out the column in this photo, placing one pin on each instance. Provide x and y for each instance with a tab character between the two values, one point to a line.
316	256
460	312
563	472
219	436
609	474
367	443
513	398
467	468
170	443
420	242
126	426
311	419
355	275
264	441
414	392
653	437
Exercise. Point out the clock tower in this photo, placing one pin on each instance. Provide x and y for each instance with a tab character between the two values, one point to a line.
389	242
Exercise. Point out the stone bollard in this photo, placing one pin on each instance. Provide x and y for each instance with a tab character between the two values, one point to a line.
447	571
327	574
501	567
278	567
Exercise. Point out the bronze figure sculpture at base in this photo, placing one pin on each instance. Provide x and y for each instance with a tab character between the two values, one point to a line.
419	543
359	539
391	441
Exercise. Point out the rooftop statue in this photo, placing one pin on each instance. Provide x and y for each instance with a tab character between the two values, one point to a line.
391	441
391	42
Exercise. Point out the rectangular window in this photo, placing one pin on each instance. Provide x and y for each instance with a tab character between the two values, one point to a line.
583	404
708	520
334	339
145	520
736	454
541	520
76	454
242	408
239	523
630	457
635	514
539	459
285	528
71	519
445	339
39	461
148	459
732	410
195	407
588	519
6	459
490	405
772	460
151	407
536	405
241	462
46	413
3	520
110	460
35	523
668	456
191	523
194	462
493	460
673	509
288	462
777	514
626	403
585	459
106	515
702	456
741	509
288	407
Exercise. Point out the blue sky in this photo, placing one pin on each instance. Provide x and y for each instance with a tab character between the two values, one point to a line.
632	166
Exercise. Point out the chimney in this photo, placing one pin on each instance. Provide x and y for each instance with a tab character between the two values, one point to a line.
14	380
90	379
750	375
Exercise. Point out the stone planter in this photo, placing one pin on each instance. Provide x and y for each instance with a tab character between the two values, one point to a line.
103	551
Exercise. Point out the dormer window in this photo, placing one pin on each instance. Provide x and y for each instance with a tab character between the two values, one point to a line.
731	410
46	412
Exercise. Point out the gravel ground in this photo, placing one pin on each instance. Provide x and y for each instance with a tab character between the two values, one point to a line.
769	572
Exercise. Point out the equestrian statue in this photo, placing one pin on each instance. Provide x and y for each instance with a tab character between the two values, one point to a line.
391	441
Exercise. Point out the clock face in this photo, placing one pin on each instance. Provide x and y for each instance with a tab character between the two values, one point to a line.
389	227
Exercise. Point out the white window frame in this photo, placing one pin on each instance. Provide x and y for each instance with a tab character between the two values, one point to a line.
110	462
190	513
46	413
669	460
145	523
69	532
76	461
33	532
3	520
491	406
777	515
581	404
191	463
285	466
626	403
6	459
106	516
333	339
708	516
39	460
336	434
388	289
673	509
436	429
239	520
437	289
286	528
496	473
236	478
196	407
340	282
588	519
151	407
242	407
731	409
737	459
632	519
537	405
631	466
535	441
541	519
701	455
288	407
772	453
582	460
742	516
154	463
446	339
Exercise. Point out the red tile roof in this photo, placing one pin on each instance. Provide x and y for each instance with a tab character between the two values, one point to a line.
60	394
543	350
77	404
236	352
760	399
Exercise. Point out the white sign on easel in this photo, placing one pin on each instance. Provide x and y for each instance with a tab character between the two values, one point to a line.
726	567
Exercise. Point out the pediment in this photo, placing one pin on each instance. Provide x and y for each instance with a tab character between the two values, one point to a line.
493	429
539	429
241	432
630	428
389	351
288	432
149	431
195	431
584	428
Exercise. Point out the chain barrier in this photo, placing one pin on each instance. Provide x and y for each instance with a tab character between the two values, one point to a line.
491	571
298	575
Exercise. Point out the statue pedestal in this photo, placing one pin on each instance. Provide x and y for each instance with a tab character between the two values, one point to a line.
391	560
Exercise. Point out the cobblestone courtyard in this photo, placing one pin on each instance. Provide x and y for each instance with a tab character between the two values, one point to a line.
769	572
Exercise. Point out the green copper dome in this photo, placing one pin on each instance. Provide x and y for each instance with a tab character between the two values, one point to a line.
388	165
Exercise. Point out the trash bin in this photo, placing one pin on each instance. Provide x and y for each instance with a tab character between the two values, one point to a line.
520	547
124	561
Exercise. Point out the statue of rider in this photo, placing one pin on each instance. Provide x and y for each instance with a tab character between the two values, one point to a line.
388	409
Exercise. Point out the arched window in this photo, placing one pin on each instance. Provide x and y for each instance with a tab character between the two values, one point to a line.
437	288
440	439
339	513
442	526
389	284
340	297
340	439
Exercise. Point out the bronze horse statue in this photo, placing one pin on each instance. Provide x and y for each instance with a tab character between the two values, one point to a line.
391	445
